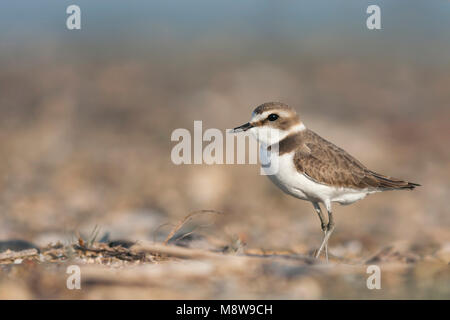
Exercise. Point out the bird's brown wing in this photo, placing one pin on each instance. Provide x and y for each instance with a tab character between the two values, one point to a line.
328	164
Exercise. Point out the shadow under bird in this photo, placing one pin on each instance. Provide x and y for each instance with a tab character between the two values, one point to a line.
311	168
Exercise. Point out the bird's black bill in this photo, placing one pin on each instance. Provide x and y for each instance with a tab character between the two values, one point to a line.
244	127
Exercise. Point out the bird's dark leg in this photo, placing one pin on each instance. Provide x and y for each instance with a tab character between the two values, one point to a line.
323	225
328	231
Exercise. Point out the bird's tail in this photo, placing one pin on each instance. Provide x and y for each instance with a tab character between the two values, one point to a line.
388	183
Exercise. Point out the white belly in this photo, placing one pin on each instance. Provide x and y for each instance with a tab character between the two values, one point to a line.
300	186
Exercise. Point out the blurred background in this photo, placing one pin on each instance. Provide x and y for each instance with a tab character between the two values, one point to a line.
86	117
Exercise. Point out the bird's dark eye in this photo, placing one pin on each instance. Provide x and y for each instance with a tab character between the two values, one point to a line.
272	117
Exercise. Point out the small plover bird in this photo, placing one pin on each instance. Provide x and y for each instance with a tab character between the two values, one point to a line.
310	167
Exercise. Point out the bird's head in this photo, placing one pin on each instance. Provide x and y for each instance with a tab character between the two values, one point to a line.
271	122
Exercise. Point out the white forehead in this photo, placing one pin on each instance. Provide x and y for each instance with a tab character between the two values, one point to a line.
265	114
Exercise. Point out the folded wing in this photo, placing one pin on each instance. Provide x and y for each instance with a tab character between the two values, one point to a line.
328	164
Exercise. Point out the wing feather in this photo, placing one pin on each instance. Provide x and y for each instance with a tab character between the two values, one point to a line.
328	164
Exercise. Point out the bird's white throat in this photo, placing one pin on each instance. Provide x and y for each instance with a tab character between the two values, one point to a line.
267	135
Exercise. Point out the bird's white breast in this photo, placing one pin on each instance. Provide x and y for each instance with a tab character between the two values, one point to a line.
295	183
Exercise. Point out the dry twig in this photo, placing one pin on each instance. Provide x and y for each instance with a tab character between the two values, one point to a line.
186	219
12	255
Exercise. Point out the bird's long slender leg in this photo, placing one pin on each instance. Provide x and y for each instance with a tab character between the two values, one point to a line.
323	224
329	229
